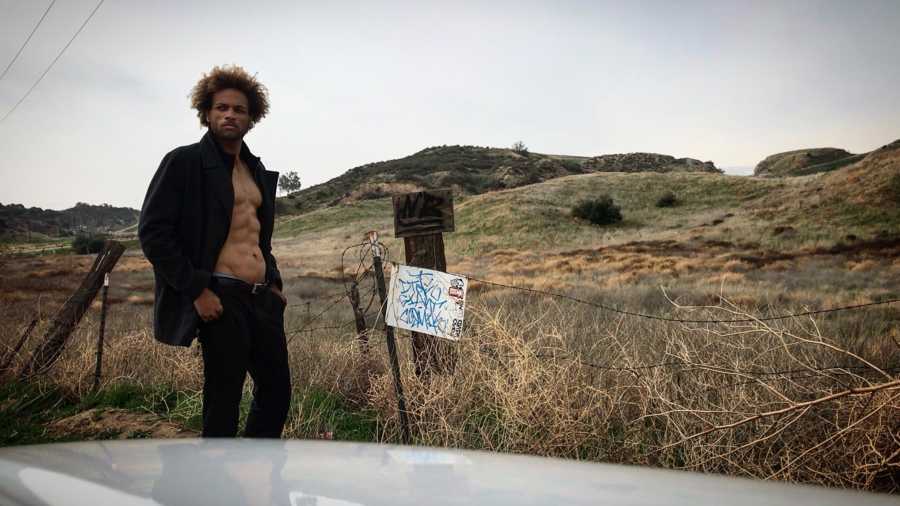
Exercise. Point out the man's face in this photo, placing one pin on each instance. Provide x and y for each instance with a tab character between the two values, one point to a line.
229	118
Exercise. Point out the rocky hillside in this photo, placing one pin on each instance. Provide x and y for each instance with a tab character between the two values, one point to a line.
647	162
802	162
874	181
864	195
18	221
470	170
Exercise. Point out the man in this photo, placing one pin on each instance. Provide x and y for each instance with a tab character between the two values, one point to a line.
206	226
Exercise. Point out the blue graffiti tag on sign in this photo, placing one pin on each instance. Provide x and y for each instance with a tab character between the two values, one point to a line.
427	301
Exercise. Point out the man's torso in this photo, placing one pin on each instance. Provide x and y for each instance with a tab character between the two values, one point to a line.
241	256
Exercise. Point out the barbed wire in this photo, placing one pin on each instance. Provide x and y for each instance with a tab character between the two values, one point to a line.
331	305
365	248
677	320
333	301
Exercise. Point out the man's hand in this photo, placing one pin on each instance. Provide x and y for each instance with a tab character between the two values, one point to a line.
277	292
208	305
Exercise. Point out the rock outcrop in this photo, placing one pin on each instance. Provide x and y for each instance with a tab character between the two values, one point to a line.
802	162
647	162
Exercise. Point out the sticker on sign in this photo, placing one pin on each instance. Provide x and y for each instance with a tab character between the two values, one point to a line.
427	301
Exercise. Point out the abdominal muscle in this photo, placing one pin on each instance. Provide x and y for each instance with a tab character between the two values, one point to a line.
240	255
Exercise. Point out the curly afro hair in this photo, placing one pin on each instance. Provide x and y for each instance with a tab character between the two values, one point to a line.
230	77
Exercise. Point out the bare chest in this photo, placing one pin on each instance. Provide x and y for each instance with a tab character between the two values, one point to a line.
246	193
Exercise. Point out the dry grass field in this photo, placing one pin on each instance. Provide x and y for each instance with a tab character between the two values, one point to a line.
810	399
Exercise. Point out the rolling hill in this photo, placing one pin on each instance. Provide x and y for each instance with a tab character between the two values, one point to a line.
472	170
856	203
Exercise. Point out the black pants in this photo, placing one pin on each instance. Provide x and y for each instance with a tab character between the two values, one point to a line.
248	337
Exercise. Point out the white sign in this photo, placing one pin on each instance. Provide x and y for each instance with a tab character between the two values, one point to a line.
427	301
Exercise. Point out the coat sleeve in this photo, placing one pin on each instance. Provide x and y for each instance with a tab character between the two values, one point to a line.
273	276
272	273
158	229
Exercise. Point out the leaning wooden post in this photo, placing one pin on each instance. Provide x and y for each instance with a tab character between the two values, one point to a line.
361	331
72	311
389	332
102	328
420	219
15	350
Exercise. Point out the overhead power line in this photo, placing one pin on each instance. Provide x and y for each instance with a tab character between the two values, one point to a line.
16	57
53	62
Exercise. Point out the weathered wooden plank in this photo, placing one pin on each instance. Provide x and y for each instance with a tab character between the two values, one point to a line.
423	213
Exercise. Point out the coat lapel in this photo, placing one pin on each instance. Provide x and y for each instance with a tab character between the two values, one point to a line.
217	174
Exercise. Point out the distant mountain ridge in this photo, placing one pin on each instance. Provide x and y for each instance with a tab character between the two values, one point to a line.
16	220
472	170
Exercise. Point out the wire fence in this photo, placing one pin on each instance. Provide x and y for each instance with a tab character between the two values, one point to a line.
364	270
678	320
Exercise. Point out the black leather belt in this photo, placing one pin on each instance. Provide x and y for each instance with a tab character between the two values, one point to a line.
231	281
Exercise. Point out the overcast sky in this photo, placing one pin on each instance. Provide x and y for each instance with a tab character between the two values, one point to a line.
358	82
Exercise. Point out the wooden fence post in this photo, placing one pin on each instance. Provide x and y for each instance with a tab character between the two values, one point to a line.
420	219
70	314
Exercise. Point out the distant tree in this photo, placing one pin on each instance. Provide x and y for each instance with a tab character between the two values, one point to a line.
519	147
289	182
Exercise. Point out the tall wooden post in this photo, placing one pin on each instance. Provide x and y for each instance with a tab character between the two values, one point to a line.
420	219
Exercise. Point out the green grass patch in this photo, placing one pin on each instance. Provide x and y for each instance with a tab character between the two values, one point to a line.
356	213
25	410
316	412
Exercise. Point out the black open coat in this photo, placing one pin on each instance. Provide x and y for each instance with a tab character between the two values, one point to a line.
184	223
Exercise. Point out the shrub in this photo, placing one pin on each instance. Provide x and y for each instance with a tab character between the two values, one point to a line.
85	244
667	199
573	166
599	211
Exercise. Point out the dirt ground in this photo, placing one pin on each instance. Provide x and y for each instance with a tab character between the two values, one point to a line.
112	423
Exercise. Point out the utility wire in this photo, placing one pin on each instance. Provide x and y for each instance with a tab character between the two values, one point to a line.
16	57
33	86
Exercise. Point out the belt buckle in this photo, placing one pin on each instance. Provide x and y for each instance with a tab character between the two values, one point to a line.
257	287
